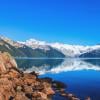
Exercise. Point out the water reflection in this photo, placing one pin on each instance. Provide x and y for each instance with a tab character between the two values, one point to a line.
78	74
43	66
95	62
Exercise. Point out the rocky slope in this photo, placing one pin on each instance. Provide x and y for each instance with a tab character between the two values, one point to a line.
16	85
5	46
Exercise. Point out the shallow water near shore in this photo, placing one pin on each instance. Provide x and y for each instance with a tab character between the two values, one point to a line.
81	75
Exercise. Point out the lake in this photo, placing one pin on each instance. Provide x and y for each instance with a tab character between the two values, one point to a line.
81	75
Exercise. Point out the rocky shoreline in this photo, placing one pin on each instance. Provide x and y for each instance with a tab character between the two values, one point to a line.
17	85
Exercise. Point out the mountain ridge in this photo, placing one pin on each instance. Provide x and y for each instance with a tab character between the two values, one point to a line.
66	49
36	48
17	49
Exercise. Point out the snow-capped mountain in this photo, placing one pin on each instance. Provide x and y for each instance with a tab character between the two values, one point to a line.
18	49
34	44
74	50
66	49
33	47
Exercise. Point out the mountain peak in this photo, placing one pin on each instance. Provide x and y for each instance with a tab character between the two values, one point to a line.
4	38
11	42
34	44
34	41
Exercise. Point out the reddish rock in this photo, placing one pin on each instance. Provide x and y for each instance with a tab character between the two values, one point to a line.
16	85
1	97
20	96
43	96
28	89
47	89
6	87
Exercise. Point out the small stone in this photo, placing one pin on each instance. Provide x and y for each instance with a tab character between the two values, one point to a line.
11	98
28	95
19	88
58	85
20	96
34	73
70	95
63	94
28	89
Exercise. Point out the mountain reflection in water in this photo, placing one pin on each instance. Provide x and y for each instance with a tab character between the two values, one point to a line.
44	66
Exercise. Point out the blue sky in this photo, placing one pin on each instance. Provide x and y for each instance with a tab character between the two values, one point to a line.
66	21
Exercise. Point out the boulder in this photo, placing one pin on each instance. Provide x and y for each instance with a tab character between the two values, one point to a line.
6	62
